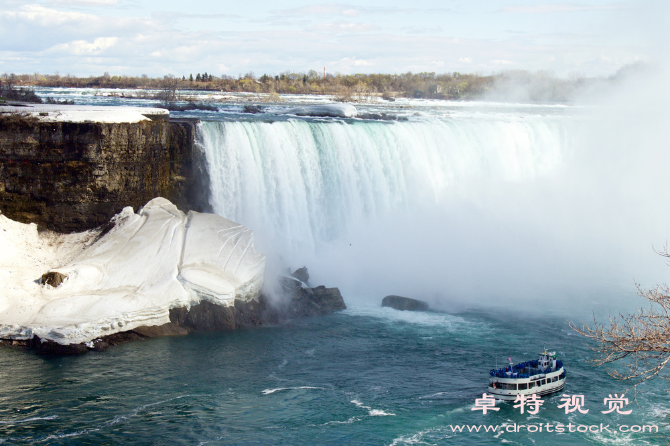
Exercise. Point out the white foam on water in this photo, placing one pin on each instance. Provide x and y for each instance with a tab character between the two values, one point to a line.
372	412
281	389
117	419
616	438
445	321
28	420
348	421
417	438
434	394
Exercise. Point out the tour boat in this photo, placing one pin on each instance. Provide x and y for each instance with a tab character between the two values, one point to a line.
541	376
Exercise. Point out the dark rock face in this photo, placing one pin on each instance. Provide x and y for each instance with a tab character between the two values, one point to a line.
382	117
207	316
169	329
53	278
53	348
204	316
299	301
46	347
75	176
316	302
252	109
301	274
404	303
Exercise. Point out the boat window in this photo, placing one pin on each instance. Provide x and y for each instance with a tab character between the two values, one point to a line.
531	385
544	381
562	375
554	379
523	386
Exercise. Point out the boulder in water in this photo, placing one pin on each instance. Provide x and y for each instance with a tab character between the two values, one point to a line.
298	300
252	109
404	303
325	110
315	302
382	117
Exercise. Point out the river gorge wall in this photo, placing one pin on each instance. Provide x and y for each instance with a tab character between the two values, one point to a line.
74	176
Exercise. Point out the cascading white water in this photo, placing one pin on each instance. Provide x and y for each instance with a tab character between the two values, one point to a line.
304	182
480	203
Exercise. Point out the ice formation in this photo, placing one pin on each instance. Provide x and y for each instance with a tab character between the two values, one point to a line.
149	262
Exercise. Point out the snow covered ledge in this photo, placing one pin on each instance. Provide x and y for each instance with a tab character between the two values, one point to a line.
148	263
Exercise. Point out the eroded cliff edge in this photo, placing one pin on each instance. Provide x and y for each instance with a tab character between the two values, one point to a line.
75	176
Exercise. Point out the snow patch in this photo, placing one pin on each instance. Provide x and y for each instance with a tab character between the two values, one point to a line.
86	113
150	262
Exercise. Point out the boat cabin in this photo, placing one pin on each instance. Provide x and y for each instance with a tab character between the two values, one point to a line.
541	376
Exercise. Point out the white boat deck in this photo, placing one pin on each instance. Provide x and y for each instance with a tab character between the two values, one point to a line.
541	377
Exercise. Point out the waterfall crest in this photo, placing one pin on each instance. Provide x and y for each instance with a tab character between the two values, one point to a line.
304	182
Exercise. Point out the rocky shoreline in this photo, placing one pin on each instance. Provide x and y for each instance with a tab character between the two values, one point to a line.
71	169
205	316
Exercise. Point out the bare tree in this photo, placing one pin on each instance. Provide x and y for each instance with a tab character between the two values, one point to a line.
170	88
639	342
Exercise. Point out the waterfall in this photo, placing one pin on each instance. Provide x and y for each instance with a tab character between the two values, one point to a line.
304	182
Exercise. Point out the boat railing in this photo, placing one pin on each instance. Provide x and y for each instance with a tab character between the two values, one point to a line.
526	369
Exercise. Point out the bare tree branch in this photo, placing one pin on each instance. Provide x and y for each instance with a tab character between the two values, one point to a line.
638	342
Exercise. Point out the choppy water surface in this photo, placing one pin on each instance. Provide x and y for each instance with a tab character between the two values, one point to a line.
363	376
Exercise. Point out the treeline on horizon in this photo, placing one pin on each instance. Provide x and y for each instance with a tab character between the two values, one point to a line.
536	86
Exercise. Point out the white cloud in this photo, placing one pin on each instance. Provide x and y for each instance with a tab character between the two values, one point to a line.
83	2
42	16
343	27
502	62
173	15
82	47
335	9
327	9
422	29
549	8
347	63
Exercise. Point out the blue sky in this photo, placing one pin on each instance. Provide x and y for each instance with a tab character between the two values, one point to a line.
134	37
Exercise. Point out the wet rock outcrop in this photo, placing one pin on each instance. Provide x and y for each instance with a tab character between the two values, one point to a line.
404	303
298	300
301	274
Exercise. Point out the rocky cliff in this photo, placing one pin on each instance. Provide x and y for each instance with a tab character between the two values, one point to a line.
73	176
